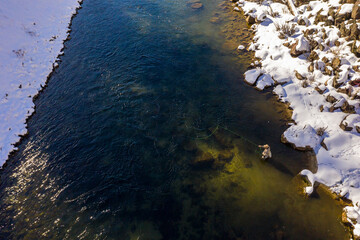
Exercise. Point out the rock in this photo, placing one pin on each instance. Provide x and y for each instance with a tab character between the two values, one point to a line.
313	56
225	156
344	32
354	32
286	44
301	21
345	220
337	43
299	76
197	6
215	20
319	90
321	47
355	83
335	82
355	14
250	20
327	71
203	159
319	17
341	17
311	67
331	99
347	108
357	129
336	62
356	68
293	51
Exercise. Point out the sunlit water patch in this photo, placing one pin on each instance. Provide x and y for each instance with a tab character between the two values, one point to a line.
146	131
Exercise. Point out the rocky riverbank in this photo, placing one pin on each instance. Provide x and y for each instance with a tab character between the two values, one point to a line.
308	51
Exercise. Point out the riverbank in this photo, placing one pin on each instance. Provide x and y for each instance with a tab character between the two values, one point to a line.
309	52
32	37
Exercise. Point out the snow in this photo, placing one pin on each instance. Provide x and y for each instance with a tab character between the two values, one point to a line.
318	98
31	38
241	47
252	75
346	8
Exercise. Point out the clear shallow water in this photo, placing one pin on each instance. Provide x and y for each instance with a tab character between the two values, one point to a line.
112	148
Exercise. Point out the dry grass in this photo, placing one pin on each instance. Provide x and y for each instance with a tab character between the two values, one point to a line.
285	29
320	131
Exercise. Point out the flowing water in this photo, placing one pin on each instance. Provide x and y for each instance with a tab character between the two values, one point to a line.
146	131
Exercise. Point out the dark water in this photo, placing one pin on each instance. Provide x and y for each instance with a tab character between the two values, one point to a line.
113	148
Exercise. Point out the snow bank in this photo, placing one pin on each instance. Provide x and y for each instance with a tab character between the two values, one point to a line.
31	38
314	68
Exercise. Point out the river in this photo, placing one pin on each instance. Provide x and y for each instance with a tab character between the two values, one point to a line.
147	131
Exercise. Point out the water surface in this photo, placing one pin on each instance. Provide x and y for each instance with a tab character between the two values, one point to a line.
146	131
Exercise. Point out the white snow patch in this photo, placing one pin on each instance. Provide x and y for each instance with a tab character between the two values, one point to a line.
31	37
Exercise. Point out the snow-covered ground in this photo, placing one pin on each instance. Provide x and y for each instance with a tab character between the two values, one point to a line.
310	54
31	38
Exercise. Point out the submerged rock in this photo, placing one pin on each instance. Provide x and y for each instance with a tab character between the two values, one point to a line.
197	6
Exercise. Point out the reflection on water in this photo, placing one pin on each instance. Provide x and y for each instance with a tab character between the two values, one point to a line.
146	131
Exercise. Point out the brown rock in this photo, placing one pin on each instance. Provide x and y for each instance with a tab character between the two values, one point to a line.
331	99
311	67
355	14
341	17
293	51
337	43
286	44
321	47
327	71
319	90
299	76
301	21
336	63
357	129
215	20
354	32
250	20
313	56
355	83
356	68
347	108
197	5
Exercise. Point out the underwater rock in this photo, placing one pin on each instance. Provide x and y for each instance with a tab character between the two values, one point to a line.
197	6
203	159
